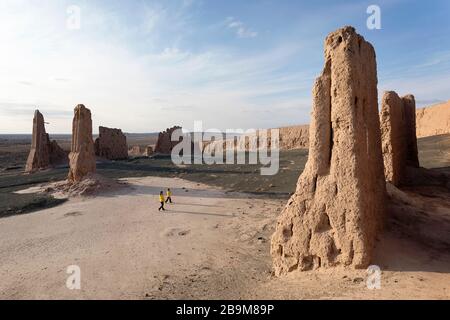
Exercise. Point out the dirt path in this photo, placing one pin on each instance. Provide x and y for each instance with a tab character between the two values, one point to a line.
209	244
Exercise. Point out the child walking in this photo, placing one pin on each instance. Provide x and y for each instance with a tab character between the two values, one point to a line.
169	196
161	200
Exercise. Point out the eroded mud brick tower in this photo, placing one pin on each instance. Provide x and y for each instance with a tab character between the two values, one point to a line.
338	207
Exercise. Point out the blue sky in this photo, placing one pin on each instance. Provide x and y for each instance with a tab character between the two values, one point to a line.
146	65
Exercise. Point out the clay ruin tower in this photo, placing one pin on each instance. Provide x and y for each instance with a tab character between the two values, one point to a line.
111	144
337	209
164	145
398	131
409	104
82	156
38	157
43	153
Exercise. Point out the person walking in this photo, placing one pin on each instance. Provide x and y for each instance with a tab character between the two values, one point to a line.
169	196
161	200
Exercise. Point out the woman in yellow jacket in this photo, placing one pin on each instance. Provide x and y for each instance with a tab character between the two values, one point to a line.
161	200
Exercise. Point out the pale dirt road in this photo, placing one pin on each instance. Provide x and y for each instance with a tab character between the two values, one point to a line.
208	245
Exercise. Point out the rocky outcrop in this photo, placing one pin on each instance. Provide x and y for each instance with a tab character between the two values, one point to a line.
82	155
337	210
111	144
164	145
398	131
43	153
434	120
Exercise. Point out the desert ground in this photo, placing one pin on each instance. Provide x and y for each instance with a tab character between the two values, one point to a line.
208	244
212	243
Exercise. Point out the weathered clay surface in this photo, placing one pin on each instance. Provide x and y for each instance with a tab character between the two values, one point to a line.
295	137
337	210
39	154
43	153
111	144
164	145
82	156
398	131
434	120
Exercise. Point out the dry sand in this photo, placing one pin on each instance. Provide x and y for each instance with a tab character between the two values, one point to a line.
209	244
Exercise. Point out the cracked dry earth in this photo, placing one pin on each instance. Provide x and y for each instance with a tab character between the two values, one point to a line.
208	245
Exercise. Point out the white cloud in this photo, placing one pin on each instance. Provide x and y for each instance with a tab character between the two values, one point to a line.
43	64
239	27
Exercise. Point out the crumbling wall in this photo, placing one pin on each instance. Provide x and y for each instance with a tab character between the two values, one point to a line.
337	210
164	145
294	137
398	130
111	144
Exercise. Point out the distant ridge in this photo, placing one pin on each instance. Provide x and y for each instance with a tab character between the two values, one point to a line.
433	120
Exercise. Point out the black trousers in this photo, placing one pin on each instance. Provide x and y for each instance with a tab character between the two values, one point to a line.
169	199
162	206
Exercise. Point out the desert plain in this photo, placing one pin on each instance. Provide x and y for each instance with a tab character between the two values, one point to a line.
212	243
365	187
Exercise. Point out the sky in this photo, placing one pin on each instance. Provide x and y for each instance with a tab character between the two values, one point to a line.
143	66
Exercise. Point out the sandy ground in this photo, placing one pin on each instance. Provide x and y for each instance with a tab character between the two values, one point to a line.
208	245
